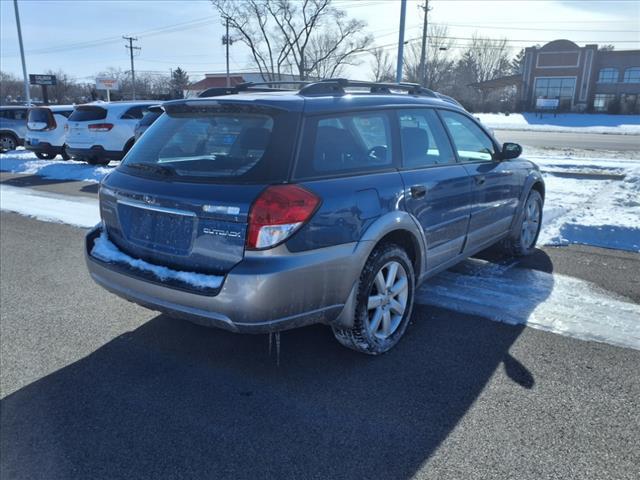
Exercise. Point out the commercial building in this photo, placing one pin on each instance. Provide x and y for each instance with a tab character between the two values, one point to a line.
579	78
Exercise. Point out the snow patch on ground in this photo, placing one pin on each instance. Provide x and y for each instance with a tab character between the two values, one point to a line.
25	162
563	122
591	210
106	251
551	302
49	207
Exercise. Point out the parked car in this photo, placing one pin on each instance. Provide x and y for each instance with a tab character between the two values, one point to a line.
151	115
100	132
46	131
323	205
13	127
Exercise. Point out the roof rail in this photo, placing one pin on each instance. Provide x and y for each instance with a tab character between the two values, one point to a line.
338	85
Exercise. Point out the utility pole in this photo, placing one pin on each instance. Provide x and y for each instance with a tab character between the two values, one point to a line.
133	72
423	53
226	41
403	14
25	77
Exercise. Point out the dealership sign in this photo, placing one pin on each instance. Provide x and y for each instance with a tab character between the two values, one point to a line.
42	80
107	84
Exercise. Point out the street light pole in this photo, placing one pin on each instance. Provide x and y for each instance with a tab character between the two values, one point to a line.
27	96
403	14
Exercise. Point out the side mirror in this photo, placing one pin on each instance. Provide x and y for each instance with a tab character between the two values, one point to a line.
510	150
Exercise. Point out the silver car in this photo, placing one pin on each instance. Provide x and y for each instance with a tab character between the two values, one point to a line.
13	127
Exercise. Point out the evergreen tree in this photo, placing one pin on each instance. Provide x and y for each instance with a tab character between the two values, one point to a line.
179	82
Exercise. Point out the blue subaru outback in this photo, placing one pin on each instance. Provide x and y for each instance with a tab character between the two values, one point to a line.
263	209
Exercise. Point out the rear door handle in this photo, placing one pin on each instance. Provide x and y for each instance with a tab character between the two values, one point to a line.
418	191
480	179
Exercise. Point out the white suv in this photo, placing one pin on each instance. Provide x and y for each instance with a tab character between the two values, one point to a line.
46	131
100	132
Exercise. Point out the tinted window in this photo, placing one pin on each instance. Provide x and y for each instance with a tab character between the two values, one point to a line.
64	113
149	118
346	143
134	112
424	141
470	141
86	114
215	146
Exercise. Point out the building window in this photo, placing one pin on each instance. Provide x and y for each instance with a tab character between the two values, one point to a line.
602	100
630	103
632	75
608	75
561	88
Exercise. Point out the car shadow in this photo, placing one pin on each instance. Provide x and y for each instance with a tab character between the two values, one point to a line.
172	399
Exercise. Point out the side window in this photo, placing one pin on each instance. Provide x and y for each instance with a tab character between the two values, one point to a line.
471	143
65	113
346	143
424	141
20	114
134	113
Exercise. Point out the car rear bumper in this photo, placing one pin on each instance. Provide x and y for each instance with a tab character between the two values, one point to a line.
96	151
265	292
42	147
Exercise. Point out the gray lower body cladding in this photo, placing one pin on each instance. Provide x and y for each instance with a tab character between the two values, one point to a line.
267	291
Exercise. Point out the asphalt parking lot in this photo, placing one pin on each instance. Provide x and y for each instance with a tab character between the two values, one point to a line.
94	387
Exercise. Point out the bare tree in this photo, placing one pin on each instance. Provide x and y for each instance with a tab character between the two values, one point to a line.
305	38
439	62
382	66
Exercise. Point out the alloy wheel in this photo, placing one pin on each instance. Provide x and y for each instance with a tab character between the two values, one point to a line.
531	222
387	300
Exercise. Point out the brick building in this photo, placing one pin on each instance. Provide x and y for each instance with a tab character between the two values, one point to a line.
581	78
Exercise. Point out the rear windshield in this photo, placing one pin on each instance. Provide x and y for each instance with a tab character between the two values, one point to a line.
85	114
39	115
220	145
149	118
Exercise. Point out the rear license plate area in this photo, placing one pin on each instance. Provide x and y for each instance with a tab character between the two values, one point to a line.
155	230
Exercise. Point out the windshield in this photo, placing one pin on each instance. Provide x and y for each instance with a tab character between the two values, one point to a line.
215	145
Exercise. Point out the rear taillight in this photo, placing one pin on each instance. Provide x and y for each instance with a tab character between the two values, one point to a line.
100	127
277	213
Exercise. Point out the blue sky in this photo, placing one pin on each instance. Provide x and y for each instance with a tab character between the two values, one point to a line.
187	33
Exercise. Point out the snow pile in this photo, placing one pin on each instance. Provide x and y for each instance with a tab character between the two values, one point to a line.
78	211
106	251
591	211
25	162
551	302
563	122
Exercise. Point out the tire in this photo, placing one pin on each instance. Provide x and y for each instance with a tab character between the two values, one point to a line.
528	228
45	156
64	154
98	161
7	142
378	329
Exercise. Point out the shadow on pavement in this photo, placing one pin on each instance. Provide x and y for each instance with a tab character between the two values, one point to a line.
171	399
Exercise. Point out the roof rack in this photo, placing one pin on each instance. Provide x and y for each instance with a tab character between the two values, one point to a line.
253	87
338	85
330	86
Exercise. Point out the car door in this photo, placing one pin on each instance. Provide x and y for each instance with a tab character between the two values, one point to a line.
438	189
496	186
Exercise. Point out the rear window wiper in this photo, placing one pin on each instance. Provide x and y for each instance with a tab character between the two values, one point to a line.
164	170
